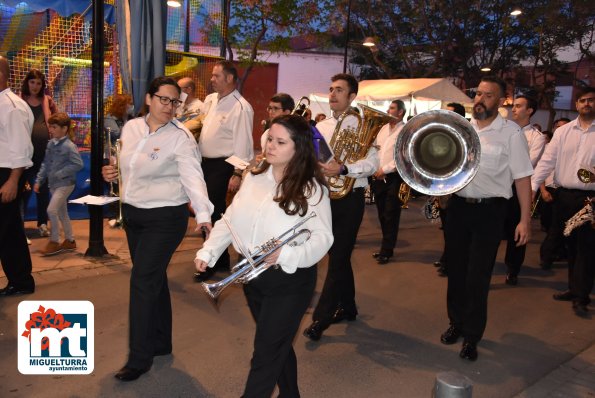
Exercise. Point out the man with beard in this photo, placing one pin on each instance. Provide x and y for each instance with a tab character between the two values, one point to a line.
572	148
480	209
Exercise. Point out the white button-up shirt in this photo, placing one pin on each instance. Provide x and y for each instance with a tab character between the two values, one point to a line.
162	168
227	127
16	124
387	139
571	148
255	218
535	141
361	169
504	158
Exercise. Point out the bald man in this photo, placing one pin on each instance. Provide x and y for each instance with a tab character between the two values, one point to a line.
192	106
16	150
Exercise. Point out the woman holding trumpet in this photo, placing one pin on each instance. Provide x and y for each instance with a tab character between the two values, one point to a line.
273	197
161	173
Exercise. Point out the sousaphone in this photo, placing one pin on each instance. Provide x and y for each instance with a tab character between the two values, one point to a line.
437	152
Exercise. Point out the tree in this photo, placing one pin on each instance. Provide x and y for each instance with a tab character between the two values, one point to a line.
258	25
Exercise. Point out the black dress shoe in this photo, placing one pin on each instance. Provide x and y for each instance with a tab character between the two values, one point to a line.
546	266
314	331
342	314
376	255
129	374
203	276
437	264
580	307
469	351
10	290
442	271
451	335
511	280
382	259
563	296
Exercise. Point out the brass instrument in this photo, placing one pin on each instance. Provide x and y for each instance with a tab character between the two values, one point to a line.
301	107
437	152
404	195
254	264
350	145
113	154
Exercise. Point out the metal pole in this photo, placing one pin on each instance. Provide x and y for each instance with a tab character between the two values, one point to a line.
346	36
187	32
96	246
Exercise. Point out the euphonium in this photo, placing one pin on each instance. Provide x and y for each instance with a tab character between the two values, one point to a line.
350	145
404	195
250	268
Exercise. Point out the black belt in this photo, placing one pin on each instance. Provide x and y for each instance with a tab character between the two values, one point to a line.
577	191
214	159
478	201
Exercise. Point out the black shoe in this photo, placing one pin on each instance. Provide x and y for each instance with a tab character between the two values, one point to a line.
451	335
159	353
129	374
511	280
203	276
442	271
11	290
342	314
383	259
314	331
580	307
469	351
376	255
563	296
437	264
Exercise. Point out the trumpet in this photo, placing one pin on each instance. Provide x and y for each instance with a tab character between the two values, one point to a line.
255	264
113	151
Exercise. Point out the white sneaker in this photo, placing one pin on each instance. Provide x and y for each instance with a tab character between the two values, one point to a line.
43	230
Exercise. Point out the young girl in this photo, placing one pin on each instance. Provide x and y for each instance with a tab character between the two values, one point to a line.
60	165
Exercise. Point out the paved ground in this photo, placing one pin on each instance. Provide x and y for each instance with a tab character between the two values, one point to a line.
533	346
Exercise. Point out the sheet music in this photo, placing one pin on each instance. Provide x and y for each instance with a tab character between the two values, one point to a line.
94	200
237	162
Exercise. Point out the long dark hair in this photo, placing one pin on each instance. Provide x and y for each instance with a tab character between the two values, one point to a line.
301	173
33	74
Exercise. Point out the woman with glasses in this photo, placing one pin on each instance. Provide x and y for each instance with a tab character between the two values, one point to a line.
161	174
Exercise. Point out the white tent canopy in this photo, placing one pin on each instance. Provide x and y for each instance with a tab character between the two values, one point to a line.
419	94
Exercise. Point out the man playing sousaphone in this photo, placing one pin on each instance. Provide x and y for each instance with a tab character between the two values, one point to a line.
571	149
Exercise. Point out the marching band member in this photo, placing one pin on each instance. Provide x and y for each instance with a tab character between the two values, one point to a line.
572	148
471	245
160	166
337	300
287	187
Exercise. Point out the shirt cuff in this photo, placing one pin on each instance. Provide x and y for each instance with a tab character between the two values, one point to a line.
202	217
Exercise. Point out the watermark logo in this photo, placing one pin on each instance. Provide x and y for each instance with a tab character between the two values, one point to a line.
56	337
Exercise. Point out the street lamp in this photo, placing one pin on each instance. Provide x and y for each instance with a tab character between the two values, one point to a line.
516	12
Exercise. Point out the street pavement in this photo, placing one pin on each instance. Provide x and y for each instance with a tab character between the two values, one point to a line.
533	346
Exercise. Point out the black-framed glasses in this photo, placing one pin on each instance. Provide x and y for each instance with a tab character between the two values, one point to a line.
273	108
166	100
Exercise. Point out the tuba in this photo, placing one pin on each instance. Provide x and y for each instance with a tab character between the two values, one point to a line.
437	152
350	145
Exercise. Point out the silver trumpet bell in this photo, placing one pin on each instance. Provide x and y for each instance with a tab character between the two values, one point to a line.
437	152
252	267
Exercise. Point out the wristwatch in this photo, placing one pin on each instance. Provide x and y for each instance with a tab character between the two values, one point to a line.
344	170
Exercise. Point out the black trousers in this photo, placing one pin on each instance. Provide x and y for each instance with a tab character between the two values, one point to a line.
554	242
473	235
43	197
153	236
389	211
14	251
277	301
217	173
339	285
581	255
515	255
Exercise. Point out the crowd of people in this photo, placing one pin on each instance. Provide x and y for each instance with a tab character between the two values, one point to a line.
169	172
